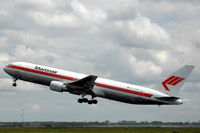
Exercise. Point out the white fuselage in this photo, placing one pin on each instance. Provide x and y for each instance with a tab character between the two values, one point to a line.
104	88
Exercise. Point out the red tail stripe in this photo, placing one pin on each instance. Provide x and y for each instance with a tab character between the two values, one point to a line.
173	80
169	79
71	78
165	82
178	81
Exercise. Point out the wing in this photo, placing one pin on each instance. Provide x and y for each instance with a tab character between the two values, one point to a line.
82	86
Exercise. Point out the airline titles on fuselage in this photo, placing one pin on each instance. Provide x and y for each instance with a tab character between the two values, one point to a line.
45	69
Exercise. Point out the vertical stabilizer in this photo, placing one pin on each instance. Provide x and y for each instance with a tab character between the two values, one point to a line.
172	84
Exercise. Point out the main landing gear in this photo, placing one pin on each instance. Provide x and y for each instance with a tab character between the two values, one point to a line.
85	100
14	83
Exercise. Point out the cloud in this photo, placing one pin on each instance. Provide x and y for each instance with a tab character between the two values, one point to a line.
133	41
37	55
32	107
141	32
4	58
142	28
3	42
48	20
49	4
152	69
123	10
91	15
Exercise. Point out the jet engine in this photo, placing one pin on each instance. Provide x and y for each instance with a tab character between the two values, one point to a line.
57	86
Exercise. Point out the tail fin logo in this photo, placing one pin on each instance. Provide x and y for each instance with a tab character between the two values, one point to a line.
171	81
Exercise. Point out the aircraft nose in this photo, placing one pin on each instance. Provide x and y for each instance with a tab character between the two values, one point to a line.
5	69
9	71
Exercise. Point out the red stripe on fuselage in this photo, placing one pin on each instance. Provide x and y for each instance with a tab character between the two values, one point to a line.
72	79
124	90
41	72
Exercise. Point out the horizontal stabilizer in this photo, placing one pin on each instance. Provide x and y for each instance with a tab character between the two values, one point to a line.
168	98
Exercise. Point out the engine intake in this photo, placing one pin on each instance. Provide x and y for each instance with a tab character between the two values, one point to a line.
57	86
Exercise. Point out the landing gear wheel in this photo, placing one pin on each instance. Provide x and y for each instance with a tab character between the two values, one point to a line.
94	101
90	101
14	84
85	100
80	100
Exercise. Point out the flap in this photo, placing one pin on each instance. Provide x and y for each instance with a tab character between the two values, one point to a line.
84	83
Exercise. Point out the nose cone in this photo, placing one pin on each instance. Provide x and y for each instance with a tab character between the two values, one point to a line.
10	71
5	69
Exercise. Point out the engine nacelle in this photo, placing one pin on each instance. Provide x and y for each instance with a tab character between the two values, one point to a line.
57	86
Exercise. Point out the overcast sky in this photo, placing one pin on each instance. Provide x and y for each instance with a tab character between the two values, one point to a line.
132	41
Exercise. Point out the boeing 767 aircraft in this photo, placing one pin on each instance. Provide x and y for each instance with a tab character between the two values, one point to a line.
165	92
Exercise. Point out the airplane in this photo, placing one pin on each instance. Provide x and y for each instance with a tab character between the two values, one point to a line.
163	93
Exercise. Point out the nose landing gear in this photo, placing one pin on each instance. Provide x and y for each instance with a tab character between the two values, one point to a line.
14	83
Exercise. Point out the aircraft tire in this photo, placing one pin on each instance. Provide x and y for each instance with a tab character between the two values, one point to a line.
94	101
90	102
14	84
80	100
85	100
